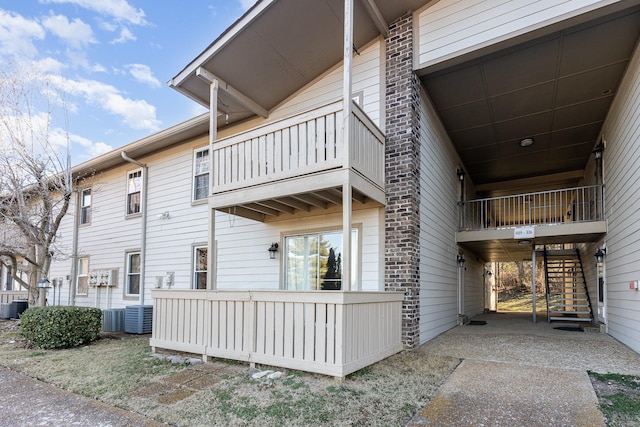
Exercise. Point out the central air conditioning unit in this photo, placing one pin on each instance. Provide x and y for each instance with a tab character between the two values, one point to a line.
5	310
138	319
113	320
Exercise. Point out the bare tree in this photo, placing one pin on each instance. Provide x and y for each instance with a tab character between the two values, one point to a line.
35	180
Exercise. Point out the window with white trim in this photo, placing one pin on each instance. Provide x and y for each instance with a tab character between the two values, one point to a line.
133	274
85	206
314	261
200	267
134	192
82	278
201	174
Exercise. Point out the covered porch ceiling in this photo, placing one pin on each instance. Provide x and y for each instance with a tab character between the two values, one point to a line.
555	88
275	207
290	42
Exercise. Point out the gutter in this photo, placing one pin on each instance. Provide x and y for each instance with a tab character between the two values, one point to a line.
143	231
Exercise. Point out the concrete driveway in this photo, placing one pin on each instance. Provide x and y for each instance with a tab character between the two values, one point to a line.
516	373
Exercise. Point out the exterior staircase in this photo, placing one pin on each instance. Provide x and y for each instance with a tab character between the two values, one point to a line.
567	293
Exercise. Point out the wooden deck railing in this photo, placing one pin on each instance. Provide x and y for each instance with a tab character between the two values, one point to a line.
300	145
327	332
8	296
577	204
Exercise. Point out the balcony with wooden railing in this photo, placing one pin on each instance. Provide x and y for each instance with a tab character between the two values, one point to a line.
569	205
489	226
329	332
298	163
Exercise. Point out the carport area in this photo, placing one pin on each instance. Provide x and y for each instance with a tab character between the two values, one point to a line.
515	372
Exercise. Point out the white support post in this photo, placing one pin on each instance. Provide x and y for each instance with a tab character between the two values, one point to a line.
346	135
213	134
346	237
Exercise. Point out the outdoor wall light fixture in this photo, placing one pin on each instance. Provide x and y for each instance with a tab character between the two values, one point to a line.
526	142
273	250
597	151
524	242
460	260
461	173
600	255
44	283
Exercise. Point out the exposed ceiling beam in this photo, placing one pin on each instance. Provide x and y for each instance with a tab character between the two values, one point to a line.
297	204
329	197
246	102
377	18
311	200
275	204
262	209
243	212
359	197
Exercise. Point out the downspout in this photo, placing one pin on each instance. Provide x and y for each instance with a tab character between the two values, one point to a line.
73	274
143	232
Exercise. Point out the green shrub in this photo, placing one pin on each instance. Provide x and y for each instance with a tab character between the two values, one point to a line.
60	327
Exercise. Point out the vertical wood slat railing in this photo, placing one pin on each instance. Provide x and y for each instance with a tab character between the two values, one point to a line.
8	296
327	332
299	145
578	204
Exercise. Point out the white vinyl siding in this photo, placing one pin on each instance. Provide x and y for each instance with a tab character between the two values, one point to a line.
438	221
622	201
450	28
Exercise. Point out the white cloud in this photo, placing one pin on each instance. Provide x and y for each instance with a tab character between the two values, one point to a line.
58	138
18	33
98	68
93	149
119	10
246	4
136	113
47	66
75	33
142	73
125	36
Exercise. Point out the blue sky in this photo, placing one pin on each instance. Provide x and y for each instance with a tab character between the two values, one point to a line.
113	58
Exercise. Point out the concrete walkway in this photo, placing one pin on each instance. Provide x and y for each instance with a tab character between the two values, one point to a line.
516	373
29	402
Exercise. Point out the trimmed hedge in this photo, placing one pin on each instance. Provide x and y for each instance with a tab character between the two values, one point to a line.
60	326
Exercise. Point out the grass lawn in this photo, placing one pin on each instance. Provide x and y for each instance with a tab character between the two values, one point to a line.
120	372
